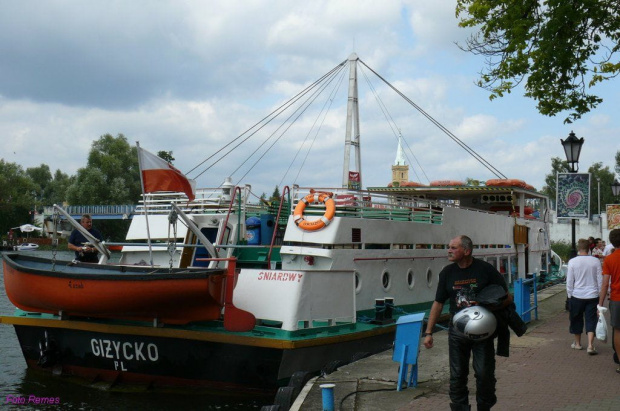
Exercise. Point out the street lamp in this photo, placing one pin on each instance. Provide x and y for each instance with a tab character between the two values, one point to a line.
572	148
615	188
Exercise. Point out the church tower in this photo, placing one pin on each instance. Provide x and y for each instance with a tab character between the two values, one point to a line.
400	169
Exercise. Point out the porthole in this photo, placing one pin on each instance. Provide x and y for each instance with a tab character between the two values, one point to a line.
358	283
386	280
410	279
429	277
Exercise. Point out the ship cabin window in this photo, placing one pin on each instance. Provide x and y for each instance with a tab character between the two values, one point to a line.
402	246
376	246
439	246
386	280
201	252
423	246
514	269
492	260
410	279
356	235
346	246
429	277
543	261
504	268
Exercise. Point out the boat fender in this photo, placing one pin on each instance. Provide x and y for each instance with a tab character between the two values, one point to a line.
330	211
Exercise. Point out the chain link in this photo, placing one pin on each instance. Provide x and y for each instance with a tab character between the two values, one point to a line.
172	240
55	219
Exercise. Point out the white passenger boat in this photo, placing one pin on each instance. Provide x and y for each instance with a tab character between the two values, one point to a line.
320	275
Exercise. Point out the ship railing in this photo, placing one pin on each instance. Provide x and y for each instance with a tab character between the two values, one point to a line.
207	200
362	204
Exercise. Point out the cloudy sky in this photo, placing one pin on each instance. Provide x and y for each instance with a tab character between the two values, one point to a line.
191	76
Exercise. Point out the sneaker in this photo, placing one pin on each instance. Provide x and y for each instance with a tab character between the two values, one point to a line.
576	347
592	351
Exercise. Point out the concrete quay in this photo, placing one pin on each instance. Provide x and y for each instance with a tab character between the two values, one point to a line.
542	373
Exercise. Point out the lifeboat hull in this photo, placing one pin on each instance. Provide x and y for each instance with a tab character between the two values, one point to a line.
177	296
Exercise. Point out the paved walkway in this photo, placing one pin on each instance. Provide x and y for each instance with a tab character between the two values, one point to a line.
542	373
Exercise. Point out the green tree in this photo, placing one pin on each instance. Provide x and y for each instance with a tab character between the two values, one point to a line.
559	49
600	177
275	196
166	155
472	182
56	193
617	166
557	166
16	196
111	175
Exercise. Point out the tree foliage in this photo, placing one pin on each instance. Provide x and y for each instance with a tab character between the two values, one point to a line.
601	177
558	48
557	166
111	175
16	195
166	155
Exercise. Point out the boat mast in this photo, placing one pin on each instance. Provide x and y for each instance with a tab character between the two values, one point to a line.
352	134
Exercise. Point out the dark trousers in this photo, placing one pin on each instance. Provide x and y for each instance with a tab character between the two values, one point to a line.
579	308
460	349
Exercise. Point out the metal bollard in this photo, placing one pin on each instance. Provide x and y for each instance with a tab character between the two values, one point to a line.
328	396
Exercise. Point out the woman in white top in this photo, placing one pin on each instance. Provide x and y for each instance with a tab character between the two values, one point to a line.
583	283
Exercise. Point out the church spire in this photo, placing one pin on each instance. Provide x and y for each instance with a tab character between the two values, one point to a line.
400	156
400	169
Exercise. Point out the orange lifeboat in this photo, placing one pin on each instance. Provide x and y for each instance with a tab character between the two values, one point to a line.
446	183
330	211
506	182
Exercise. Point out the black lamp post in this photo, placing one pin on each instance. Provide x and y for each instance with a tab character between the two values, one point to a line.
572	148
615	188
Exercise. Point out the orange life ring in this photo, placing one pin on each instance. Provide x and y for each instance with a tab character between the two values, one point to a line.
330	210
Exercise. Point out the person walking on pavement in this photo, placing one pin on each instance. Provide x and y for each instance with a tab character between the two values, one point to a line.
583	283
611	282
459	282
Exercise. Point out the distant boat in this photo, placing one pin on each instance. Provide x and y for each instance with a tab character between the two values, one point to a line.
27	247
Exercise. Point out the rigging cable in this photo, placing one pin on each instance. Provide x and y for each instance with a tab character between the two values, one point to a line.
471	151
267	119
331	101
391	120
300	110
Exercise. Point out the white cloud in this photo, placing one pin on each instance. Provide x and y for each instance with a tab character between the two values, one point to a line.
191	76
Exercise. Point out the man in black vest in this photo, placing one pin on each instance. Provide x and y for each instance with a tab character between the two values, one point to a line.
460	282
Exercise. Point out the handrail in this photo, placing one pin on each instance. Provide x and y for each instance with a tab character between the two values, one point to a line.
230	205
275	230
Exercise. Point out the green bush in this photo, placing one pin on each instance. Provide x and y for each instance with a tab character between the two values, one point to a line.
561	248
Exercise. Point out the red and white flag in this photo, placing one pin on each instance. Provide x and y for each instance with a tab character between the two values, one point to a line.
159	175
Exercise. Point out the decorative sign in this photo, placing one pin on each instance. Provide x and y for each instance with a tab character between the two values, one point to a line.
613	216
573	195
354	180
